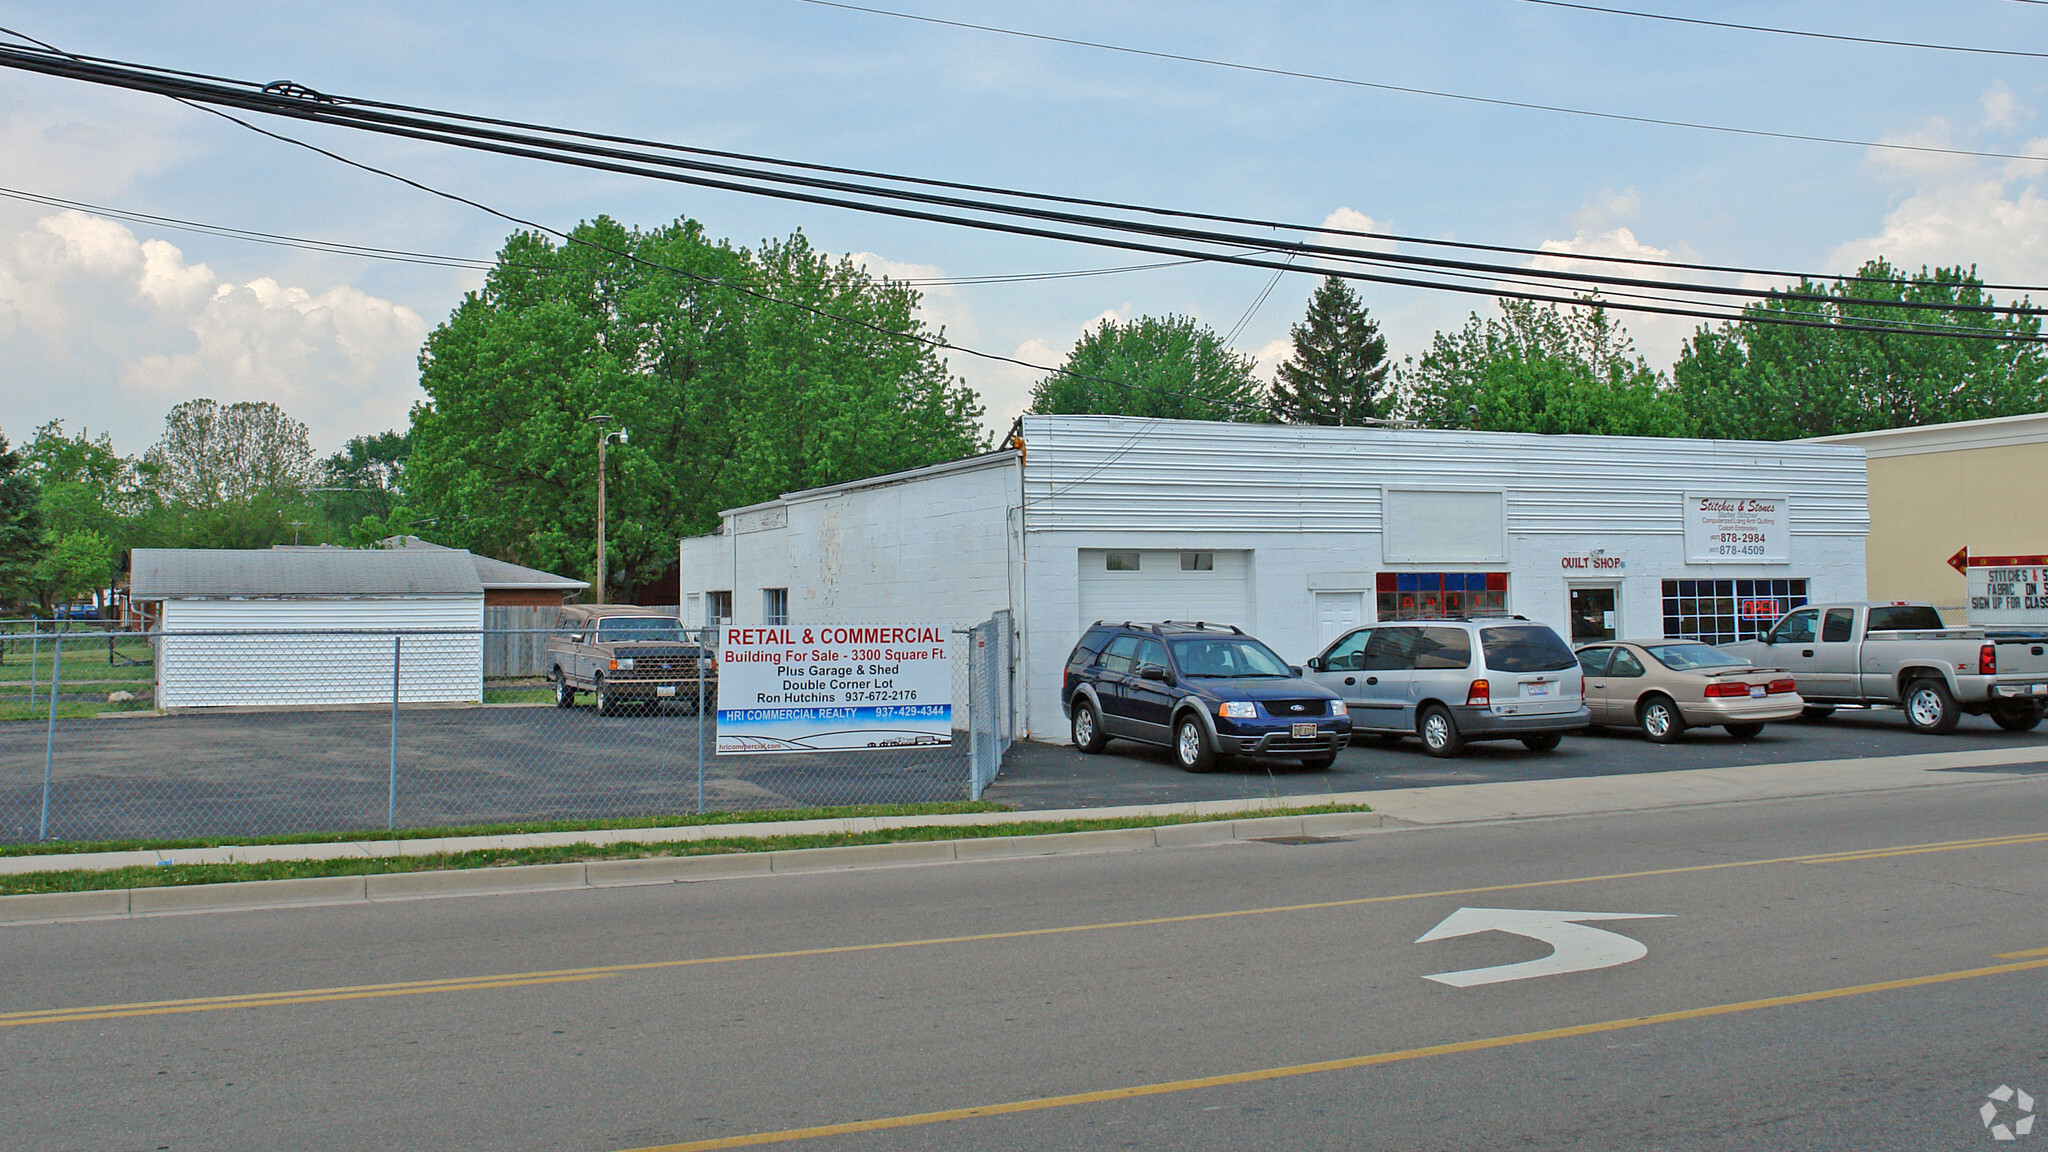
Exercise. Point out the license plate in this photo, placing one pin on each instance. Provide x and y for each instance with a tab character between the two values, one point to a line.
1535	689
2038	690
1758	689
1304	731
665	690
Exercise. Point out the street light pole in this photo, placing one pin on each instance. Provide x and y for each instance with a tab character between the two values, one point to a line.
603	438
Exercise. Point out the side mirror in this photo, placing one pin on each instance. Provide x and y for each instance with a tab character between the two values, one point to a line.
1769	638
1315	664
1152	672
1294	669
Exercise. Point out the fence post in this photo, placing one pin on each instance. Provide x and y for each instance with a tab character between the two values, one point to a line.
391	797
50	735
703	650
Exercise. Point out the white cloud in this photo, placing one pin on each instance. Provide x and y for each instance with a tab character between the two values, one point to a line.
1272	354
2002	109
109	331
1352	220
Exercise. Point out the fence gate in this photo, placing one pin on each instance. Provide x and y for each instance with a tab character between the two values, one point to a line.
991	724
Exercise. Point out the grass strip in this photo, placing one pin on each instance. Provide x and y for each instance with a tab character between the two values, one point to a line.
372	835
175	875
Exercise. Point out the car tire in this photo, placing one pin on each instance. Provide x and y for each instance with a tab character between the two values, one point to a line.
1930	708
1815	712
1660	720
2016	717
565	696
607	704
1439	732
1319	763
1547	742
1747	731
1087	729
1191	746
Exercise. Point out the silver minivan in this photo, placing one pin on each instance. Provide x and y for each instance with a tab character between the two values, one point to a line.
1452	681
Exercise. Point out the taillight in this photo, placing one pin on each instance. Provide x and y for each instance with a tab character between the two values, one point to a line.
1719	690
1479	693
1779	687
1987	660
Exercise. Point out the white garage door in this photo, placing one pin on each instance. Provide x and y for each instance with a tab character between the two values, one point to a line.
298	652
1155	585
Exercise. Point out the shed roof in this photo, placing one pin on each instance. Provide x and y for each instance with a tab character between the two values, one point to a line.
494	573
198	573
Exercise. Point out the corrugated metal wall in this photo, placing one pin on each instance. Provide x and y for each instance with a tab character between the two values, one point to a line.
210	671
1109	474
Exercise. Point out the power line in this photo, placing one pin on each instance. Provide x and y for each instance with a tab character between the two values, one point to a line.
1495	101
1788	31
291	100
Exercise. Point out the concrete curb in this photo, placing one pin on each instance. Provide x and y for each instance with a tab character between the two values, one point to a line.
19	911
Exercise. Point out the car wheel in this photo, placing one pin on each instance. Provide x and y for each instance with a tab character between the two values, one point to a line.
607	704
565	696
1319	763
1743	731
1547	742
2016	717
1191	747
1815	712
1930	709
1660	720
1439	732
1088	735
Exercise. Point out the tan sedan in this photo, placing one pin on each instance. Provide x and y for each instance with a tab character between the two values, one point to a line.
1667	686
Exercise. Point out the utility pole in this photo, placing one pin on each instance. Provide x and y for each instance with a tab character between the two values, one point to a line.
603	438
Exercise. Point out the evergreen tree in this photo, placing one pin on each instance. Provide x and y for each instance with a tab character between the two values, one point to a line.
21	526
1338	374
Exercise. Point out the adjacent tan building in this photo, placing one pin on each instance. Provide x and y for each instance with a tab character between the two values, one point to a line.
1935	490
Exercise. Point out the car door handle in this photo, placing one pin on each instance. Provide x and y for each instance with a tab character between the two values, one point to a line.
1372	679
1807	652
1351	679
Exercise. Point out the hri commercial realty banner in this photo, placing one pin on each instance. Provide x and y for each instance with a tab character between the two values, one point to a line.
833	687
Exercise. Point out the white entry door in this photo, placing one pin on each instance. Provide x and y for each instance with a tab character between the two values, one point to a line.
1336	614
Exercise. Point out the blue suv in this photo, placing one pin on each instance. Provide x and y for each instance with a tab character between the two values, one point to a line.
1204	691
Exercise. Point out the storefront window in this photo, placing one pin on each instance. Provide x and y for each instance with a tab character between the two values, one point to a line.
1435	595
1724	611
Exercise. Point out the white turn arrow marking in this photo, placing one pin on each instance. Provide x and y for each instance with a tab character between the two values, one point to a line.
1576	948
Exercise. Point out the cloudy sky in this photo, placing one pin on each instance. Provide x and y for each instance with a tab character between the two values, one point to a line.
106	324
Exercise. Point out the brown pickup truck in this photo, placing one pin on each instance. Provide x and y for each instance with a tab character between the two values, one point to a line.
623	653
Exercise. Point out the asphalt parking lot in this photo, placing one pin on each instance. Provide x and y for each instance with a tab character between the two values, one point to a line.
140	776
1056	776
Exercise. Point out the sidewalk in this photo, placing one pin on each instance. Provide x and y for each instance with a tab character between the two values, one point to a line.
1507	800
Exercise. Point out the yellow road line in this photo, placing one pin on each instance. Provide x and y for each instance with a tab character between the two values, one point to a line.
515	979
2022	955
1135	1091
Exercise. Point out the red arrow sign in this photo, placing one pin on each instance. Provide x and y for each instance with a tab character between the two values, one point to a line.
1961	560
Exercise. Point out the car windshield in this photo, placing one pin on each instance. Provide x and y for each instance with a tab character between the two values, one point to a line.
612	629
1525	648
1222	657
1693	657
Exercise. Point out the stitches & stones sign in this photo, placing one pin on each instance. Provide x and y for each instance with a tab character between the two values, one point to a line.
833	688
1737	529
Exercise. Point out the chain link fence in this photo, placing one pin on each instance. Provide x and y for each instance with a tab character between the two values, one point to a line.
109	735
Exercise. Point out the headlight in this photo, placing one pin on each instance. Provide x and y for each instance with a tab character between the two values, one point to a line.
625	665
1336	707
1237	710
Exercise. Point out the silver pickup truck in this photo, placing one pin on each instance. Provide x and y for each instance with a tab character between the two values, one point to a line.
1900	655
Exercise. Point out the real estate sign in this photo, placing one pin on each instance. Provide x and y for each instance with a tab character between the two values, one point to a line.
833	688
2008	591
1730	528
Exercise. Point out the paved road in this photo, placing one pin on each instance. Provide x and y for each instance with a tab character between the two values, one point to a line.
1255	995
140	776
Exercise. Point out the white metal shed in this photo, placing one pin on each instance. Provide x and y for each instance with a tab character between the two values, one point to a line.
255	628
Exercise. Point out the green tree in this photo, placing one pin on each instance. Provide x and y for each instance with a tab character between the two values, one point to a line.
1756	380
1172	367
212	455
1338	373
730	399
361	482
76	565
1540	368
21	527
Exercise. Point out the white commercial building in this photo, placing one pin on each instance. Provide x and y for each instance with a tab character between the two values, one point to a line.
297	628
1296	534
